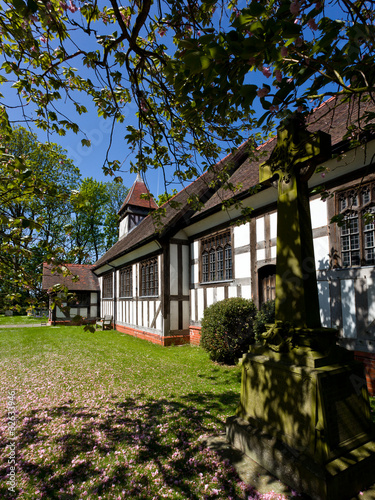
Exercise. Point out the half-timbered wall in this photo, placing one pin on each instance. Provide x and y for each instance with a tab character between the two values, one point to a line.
177	297
87	307
139	311
204	293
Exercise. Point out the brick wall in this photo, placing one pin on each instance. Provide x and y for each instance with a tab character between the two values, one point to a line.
153	337
368	359
195	335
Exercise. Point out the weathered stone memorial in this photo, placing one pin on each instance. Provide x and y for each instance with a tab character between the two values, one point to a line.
304	411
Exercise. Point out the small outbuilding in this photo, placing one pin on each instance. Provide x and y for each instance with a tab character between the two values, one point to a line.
83	293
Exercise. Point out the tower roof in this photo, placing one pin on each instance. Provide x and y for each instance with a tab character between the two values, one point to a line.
134	196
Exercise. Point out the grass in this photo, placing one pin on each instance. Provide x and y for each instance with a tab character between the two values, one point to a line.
104	415
20	320
107	416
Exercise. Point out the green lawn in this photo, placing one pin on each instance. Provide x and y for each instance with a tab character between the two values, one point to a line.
19	320
105	415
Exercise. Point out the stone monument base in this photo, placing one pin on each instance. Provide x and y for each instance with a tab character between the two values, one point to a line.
304	416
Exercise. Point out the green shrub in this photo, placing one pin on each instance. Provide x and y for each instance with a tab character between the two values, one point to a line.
266	315
227	329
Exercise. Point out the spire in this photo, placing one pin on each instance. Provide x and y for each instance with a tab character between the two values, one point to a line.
135	208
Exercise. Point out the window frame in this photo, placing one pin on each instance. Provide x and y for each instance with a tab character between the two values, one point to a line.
352	204
149	277
107	286
216	257
126	282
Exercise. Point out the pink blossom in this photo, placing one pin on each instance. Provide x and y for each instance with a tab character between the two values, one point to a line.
278	75
274	109
43	39
266	72
295	8
312	24
162	31
284	51
262	92
251	61
299	41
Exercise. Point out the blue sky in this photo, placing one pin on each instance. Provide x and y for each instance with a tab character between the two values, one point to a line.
90	159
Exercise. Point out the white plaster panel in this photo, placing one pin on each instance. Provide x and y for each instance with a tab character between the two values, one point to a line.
174	315
321	251
94	311
59	313
273	252
152	313
242	265
246	291
200	304
260	229
185	315
220	293
318	210
232	291
93	298
273	225
324	303
194	249
348	309
371	299
210	296
194	273
145	315
185	269
140	318
159	318
192	305
241	235
261	254
173	270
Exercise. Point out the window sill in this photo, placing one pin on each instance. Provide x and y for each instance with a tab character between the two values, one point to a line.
216	282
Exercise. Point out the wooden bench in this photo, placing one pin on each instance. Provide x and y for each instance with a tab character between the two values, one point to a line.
104	322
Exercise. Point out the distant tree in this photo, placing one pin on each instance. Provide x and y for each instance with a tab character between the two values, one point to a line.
94	224
117	193
36	181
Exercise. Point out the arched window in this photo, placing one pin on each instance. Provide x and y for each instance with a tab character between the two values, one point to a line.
216	257
149	285
357	235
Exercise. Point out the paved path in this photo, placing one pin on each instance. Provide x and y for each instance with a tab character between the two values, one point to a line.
32	325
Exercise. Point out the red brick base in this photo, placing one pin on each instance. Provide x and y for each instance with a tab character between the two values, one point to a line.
368	359
153	337
195	335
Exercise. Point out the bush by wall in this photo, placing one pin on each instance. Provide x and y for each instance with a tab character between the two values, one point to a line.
266	315
227	329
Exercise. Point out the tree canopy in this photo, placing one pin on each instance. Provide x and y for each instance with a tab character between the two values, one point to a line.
197	72
48	214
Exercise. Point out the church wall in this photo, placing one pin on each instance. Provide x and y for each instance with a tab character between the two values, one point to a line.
203	294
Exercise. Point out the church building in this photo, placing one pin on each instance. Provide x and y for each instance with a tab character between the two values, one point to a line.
157	280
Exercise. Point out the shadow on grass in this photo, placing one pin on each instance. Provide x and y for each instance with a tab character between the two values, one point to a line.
124	449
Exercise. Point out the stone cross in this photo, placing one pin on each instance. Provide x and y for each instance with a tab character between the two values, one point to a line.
292	162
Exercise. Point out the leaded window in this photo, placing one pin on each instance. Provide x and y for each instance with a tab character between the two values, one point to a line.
357	237
149	277
216	257
108	286
126	282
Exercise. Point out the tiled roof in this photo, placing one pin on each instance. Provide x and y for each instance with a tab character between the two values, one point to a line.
173	218
88	281
329	118
134	196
